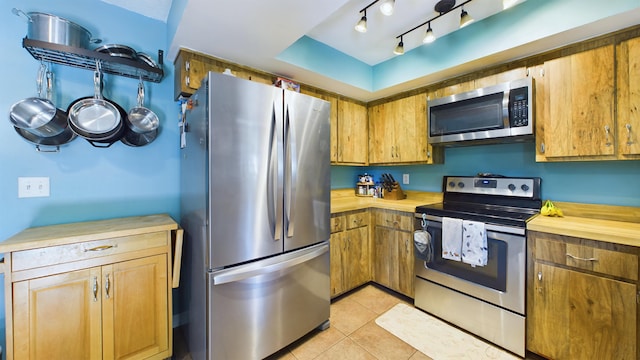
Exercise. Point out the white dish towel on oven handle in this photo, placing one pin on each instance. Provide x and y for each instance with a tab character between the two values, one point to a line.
451	238
474	243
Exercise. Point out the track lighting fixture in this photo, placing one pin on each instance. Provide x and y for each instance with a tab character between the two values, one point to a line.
442	7
387	7
361	26
465	18
399	50
428	35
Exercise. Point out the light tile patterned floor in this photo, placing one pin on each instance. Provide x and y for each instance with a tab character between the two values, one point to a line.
353	333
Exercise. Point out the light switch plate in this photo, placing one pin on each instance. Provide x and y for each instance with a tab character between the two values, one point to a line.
33	187
405	179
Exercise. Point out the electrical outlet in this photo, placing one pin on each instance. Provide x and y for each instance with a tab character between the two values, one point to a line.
405	179
33	187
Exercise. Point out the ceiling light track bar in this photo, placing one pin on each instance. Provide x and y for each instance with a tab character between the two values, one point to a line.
368	6
430	20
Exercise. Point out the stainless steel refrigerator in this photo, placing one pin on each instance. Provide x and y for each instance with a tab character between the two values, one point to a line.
255	206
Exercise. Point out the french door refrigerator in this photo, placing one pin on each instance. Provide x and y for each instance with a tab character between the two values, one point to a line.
255	207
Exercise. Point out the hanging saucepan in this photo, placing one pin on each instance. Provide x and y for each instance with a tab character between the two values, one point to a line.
131	138
140	119
38	115
96	119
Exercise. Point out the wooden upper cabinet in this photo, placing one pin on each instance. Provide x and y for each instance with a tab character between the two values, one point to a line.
578	115
351	133
628	121
398	132
191	68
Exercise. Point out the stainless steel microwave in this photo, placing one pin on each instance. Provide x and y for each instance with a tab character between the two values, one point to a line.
499	113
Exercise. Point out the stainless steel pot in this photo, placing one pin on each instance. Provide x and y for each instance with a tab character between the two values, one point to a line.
56	30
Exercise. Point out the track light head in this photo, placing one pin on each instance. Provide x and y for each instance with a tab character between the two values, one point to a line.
429	37
361	25
399	50
465	18
386	7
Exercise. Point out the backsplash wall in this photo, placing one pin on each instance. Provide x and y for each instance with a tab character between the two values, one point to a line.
597	182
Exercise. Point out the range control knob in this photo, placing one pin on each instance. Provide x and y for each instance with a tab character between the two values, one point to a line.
452	184
524	187
511	187
461	184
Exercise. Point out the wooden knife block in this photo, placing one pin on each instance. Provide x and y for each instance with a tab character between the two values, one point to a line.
395	194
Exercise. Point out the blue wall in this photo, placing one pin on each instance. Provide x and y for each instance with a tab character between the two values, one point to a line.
86	183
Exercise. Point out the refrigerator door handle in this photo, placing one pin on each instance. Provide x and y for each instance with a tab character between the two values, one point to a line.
273	179
267	266
291	172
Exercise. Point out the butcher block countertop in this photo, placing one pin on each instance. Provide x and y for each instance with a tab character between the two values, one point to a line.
614	224
52	235
345	200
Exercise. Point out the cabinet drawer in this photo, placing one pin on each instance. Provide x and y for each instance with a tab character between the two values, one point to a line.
357	220
337	223
602	257
395	219
54	255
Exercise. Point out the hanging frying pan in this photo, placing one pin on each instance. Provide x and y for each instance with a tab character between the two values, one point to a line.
95	118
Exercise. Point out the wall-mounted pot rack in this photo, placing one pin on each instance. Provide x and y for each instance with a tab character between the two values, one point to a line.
86	59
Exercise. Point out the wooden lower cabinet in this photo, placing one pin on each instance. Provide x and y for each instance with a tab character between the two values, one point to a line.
581	298
108	298
393	251
350	251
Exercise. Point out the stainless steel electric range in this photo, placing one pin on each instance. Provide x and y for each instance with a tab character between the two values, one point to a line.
481	289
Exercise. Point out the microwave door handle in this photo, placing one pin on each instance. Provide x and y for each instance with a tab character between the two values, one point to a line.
505	109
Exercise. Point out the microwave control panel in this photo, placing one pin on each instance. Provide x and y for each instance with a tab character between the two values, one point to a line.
519	107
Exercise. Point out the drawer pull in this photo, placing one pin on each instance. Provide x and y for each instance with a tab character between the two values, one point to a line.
100	248
582	259
95	288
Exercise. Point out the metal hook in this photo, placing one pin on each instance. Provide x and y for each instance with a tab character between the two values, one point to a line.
424	222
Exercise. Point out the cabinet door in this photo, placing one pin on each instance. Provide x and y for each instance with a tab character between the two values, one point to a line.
381	135
579	118
383	256
581	316
410	115
352	132
357	256
405	269
336	248
548	315
136	323
628	120
58	317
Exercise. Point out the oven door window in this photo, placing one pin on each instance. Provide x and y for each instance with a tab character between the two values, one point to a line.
492	275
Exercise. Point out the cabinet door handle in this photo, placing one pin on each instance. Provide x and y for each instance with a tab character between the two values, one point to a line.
628	127
581	259
95	288
606	131
107	285
539	275
541	148
100	248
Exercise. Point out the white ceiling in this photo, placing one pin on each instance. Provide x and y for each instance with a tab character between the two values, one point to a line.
254	33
